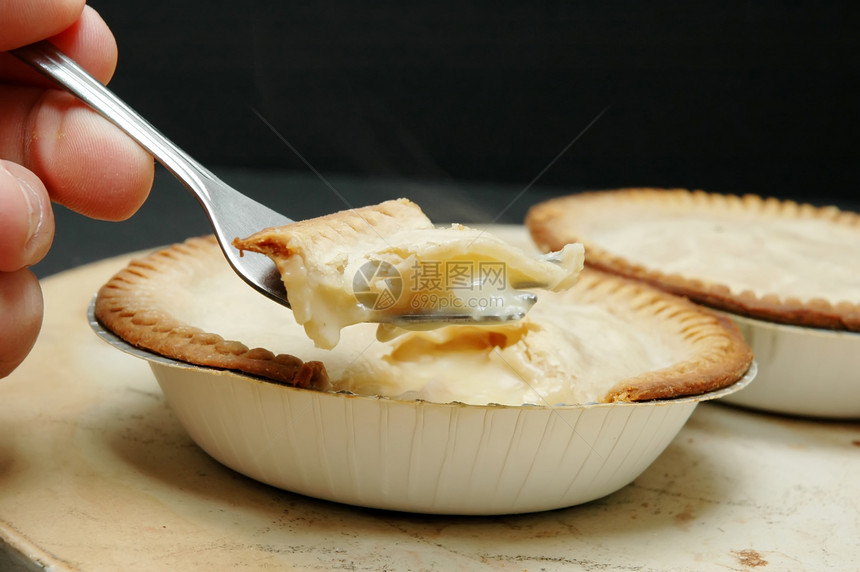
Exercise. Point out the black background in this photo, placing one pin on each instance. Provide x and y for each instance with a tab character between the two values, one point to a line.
461	106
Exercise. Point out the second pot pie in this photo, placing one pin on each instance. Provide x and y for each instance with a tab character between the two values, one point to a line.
605	339
763	258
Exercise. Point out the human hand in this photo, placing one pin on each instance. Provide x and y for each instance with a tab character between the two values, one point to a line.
53	147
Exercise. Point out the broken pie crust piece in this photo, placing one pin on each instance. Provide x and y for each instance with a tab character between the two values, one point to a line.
377	263
604	339
763	258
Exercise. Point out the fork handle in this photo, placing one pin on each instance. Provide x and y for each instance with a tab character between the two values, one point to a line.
51	62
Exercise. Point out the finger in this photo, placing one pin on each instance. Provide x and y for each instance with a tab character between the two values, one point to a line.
26	219
88	41
85	162
20	317
26	21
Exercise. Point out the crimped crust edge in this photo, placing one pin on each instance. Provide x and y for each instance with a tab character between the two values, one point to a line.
720	356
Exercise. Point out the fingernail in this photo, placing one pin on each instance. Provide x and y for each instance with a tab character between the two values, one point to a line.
35	216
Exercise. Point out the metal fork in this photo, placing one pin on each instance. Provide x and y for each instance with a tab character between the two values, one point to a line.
231	213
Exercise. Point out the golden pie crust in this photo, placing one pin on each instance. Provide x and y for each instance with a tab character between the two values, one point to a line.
706	350
131	305
596	219
330	234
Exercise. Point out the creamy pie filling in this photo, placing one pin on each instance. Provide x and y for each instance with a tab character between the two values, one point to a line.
539	360
386	262
565	351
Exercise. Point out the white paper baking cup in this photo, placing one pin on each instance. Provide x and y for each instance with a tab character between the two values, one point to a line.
802	371
417	456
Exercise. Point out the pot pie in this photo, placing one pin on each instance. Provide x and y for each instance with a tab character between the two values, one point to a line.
763	258
604	339
384	262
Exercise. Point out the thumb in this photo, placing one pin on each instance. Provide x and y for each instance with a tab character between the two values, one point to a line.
20	317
